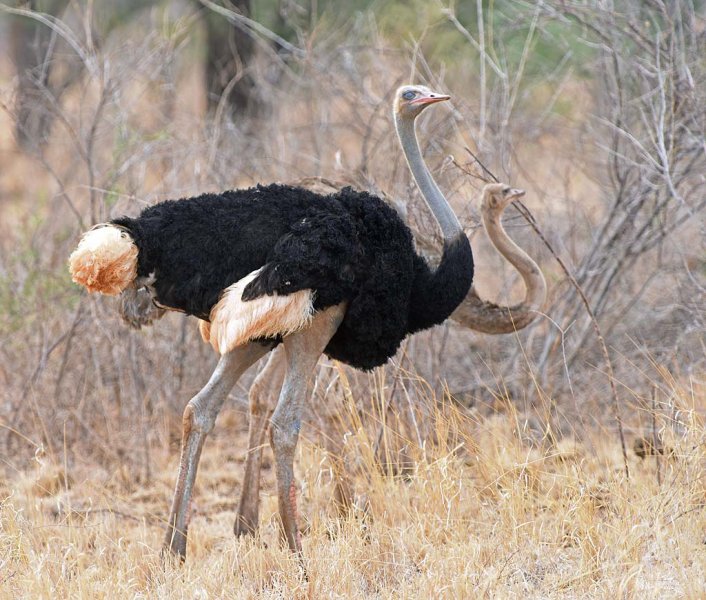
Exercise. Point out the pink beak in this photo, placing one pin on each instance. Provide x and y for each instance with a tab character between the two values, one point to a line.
430	98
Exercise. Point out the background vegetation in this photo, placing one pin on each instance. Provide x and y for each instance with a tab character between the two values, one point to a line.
488	465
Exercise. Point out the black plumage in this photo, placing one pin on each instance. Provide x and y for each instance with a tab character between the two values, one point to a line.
349	246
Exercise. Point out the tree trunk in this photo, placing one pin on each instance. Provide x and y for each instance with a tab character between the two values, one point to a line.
32	47
228	64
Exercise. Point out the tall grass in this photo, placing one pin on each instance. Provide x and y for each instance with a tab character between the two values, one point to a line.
480	512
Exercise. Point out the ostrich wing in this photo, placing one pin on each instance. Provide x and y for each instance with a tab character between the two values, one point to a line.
318	253
310	268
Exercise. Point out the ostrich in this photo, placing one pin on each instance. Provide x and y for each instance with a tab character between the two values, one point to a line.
271	265
488	317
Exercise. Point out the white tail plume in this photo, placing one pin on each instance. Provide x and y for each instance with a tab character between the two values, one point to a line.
105	260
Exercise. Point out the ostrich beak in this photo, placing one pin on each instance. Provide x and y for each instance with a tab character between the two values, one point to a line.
430	98
516	193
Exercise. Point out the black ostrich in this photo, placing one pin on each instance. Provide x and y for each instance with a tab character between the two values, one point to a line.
334	274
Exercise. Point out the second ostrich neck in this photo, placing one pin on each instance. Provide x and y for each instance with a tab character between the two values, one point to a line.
436	294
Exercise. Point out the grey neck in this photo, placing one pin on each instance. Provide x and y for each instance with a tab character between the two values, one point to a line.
444	215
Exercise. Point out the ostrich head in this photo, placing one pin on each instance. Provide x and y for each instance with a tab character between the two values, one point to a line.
497	196
410	100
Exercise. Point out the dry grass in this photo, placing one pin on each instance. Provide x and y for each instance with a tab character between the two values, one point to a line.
520	493
481	513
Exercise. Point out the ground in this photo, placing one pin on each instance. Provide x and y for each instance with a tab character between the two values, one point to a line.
481	513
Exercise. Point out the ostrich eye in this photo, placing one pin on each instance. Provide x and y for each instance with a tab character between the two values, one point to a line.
506	190
409	95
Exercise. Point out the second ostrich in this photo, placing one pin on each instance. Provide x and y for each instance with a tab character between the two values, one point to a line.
273	265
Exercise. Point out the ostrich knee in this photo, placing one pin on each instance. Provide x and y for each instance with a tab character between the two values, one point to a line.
284	438
199	415
259	401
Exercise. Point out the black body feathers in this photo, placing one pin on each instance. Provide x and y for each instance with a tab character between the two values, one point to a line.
349	246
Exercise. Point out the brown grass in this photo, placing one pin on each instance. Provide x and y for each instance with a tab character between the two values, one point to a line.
481	513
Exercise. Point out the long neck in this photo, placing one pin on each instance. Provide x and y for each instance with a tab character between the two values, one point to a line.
444	215
487	317
535	284
435	294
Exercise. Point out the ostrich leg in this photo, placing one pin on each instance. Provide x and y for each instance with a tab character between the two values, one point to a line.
263	394
199	417
302	352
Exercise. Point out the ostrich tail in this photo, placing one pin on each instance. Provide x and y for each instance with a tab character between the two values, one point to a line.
105	260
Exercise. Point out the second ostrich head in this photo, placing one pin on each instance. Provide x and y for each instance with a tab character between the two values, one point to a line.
498	196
